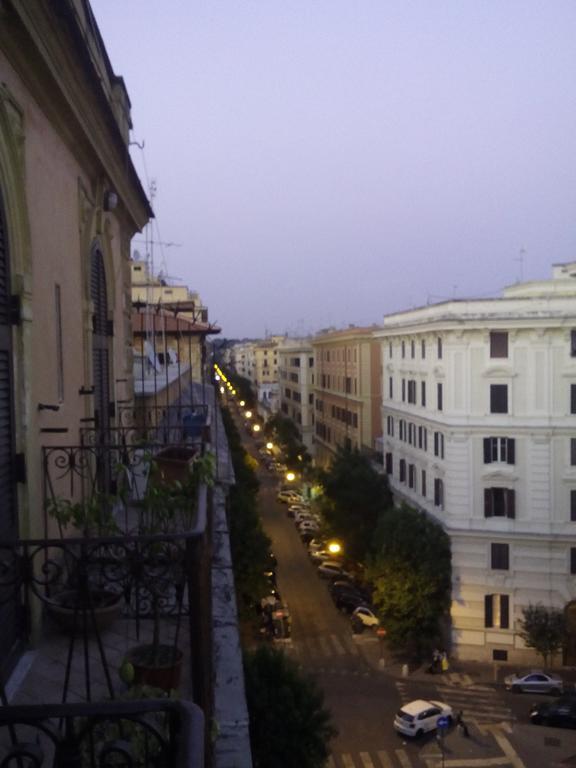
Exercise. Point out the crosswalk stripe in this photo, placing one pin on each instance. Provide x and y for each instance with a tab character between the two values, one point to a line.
340	650
366	760
403	758
325	645
348	762
384	759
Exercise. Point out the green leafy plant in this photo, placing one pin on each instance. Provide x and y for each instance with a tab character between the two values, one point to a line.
93	516
544	630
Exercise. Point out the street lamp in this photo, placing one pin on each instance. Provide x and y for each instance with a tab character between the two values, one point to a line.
335	548
269	446
248	414
256	427
242	403
290	476
221	390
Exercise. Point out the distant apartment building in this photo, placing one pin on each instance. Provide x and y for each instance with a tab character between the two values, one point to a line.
295	383
257	361
347	387
160	290
479	422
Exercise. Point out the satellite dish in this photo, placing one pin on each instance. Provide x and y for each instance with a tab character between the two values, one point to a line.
152	359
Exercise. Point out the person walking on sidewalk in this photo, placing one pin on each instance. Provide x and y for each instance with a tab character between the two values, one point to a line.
461	724
444	663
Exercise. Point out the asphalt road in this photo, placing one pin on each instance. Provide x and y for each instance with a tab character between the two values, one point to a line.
363	699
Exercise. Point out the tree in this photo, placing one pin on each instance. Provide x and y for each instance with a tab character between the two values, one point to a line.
355	495
287	434
411	573
289	725
543	629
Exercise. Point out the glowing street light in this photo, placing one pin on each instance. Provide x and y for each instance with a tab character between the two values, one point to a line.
248	414
290	476
256	427
242	403
335	548
221	390
269	446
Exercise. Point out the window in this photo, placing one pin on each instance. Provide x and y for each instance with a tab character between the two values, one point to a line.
391	388
572	343
499	449
573	560
401	424
440	396
390	349
498	344
311	362
500	557
497	611
411	476
412	349
439	348
412	391
389	464
573	506
438	493
439	445
403	390
403	349
59	344
390	425
572	398
499	502
573	451
402	467
423	349
498	398
423	483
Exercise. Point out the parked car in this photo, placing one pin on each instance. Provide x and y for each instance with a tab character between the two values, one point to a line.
560	712
287	497
534	682
302	515
331	569
347	600
365	616
420	716
339	586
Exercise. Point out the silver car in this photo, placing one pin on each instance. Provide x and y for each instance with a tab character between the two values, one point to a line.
534	682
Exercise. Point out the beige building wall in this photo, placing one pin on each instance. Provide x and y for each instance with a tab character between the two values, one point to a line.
295	385
347	387
61	153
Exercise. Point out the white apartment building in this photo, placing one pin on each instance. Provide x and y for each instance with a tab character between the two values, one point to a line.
295	382
479	430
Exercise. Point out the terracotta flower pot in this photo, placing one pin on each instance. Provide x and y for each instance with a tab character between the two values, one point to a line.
161	670
101	610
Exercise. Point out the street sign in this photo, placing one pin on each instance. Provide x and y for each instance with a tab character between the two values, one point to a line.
443	721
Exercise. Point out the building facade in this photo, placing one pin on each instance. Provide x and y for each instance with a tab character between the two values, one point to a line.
347	386
295	384
479	428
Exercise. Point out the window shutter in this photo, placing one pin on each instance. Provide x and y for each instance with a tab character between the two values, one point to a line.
487	450
504	612
511	451
488	611
488	503
510	503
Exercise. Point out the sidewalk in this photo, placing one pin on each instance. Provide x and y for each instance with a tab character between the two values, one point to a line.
460	672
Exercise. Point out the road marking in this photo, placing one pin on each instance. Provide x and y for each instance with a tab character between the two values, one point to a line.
347	760
384	759
366	760
325	645
340	650
465	762
508	750
403	758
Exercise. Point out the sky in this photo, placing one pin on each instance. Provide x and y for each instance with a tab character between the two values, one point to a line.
321	163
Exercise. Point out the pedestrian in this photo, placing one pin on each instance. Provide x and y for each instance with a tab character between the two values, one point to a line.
461	724
444	663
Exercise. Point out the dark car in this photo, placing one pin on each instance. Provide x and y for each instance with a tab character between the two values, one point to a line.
348	601
560	712
339	586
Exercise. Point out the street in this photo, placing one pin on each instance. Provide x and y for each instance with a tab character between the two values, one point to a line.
363	698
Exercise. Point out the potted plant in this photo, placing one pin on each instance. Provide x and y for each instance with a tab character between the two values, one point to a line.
81	595
166	508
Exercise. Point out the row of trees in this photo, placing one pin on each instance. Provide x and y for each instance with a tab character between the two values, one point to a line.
289	724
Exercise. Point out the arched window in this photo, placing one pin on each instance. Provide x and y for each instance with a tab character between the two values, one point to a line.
10	610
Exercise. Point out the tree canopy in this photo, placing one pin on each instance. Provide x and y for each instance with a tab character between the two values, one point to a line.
411	573
543	629
355	495
289	725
